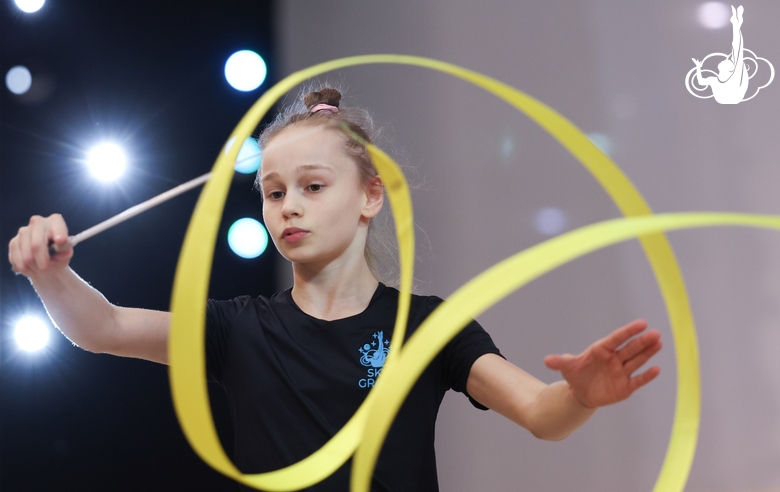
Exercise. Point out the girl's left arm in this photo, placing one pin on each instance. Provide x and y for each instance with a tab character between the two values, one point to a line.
599	376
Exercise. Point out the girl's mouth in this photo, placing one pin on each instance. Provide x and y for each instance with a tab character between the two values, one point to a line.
293	234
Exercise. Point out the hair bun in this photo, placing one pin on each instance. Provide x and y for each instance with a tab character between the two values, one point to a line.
327	95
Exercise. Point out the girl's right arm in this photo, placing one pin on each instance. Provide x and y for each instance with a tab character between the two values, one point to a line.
79	311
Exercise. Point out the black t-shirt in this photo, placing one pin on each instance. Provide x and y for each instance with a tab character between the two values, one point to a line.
293	381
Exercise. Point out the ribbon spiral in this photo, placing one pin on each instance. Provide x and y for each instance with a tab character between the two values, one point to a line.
406	363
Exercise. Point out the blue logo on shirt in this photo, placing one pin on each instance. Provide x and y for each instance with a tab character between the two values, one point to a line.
373	355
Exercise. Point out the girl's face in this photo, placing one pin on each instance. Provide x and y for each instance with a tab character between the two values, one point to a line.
314	206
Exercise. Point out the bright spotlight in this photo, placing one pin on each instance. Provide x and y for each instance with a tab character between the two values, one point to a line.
107	161
245	70
550	221
18	80
247	238
249	155
714	15
30	6
248	160
31	334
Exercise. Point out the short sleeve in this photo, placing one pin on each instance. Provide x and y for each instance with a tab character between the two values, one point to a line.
220	316
460	354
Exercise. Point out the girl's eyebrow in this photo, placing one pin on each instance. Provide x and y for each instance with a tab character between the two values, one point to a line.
303	167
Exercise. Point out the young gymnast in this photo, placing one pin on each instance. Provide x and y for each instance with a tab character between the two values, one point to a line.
297	365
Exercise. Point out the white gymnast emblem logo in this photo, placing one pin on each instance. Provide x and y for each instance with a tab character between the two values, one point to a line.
735	70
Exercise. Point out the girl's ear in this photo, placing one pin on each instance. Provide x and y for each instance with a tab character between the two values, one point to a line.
375	197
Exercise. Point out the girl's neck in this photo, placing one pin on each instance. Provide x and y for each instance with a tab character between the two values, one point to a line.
333	292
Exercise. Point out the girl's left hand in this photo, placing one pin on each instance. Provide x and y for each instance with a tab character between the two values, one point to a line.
602	374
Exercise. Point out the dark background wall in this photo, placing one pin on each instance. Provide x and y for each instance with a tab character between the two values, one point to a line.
148	75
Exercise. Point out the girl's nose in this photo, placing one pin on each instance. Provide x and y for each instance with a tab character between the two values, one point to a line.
291	206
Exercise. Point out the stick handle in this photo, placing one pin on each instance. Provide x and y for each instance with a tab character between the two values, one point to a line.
54	249
130	212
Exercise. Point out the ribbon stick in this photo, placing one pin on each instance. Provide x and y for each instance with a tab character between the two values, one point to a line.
130	212
135	210
186	343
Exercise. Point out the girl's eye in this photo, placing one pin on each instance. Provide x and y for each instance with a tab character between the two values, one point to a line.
316	187
275	195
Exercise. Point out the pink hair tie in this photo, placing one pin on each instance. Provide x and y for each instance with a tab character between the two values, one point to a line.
324	107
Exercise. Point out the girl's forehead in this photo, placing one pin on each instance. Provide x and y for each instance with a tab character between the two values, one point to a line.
303	148
304	140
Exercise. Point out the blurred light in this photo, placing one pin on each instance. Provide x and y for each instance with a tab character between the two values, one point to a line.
602	141
229	144
249	155
248	160
714	15
247	238
107	161
18	80
31	333
507	147
245	70
30	6
550	221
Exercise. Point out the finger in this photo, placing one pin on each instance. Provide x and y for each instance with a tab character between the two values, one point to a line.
27	260
621	335
557	362
15	255
638	361
60	249
39	241
637	345
59	229
644	378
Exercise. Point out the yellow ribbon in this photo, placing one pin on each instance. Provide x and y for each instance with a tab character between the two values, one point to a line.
187	350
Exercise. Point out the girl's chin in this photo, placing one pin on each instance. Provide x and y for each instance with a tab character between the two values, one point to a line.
299	258
308	262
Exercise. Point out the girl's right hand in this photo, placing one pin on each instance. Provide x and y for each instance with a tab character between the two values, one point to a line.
28	252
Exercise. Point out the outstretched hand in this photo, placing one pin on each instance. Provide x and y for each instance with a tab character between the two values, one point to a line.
602	374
